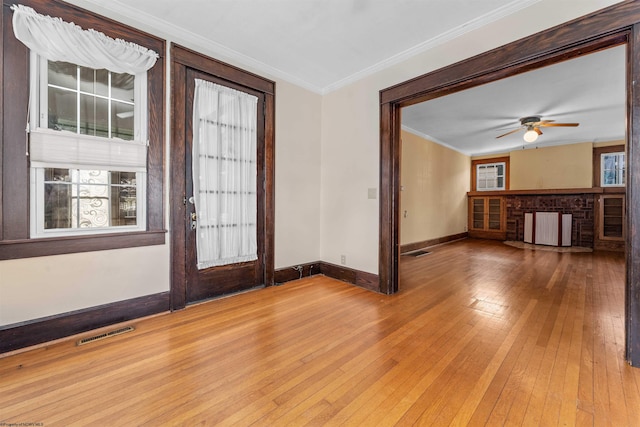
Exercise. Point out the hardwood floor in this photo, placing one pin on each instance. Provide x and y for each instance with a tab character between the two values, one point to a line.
480	334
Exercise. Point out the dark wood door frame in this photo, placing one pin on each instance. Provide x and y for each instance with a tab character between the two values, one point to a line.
614	25
182	60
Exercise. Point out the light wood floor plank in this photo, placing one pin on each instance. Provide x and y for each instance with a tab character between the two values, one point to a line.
480	334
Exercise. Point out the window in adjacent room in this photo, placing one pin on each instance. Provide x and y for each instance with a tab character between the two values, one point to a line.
490	176
612	169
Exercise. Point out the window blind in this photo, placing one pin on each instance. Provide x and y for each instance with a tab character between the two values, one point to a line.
61	149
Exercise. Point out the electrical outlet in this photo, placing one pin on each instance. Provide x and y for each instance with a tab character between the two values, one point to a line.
343	259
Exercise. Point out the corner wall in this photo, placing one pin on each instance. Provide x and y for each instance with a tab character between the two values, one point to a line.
434	184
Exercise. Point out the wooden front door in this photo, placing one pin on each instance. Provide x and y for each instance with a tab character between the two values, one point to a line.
214	281
188	283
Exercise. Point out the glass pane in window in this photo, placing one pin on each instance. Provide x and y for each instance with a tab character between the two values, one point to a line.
62	110
123	206
122	87
94	116
121	120
123	199
500	169
609	177
58	203
53	174
90	176
62	74
94	81
613	169
89	198
500	182
92	207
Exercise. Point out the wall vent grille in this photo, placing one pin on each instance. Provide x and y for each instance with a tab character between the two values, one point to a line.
109	334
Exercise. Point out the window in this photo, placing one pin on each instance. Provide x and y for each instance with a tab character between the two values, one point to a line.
117	138
612	169
87	172
490	176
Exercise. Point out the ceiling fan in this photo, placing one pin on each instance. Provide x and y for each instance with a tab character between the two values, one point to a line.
533	124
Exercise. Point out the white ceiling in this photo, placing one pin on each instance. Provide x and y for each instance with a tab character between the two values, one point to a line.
590	90
323	45
318	44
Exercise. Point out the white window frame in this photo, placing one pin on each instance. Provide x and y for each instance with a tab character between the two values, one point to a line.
38	119
620	174
486	165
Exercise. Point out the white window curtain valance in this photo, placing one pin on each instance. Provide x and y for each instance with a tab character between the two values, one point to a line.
58	40
224	168
60	149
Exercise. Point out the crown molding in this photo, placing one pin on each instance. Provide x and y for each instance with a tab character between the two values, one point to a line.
116	9
432	139
440	39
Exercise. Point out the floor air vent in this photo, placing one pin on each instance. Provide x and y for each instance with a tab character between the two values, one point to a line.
109	334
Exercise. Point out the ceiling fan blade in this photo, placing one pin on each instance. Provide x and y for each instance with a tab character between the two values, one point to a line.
509	133
537	130
559	124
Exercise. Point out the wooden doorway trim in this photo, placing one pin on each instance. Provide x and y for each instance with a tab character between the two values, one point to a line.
615	25
183	59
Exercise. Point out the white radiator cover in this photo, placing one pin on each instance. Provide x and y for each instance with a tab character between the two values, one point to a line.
548	228
528	227
567	220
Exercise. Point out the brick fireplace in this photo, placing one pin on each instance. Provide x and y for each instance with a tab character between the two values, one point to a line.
581	206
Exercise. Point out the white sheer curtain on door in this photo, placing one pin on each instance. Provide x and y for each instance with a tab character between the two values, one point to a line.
224	171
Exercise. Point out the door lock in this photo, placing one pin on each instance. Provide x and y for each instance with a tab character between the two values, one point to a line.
194	222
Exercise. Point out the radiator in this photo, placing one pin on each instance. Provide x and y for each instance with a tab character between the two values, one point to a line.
547	228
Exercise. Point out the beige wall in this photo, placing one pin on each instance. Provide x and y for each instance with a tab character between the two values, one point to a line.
564	166
297	226
31	288
430	206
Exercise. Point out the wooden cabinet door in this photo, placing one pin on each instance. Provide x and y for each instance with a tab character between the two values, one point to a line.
487	217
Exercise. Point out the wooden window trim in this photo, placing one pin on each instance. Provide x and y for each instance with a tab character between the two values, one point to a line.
597	154
14	167
475	163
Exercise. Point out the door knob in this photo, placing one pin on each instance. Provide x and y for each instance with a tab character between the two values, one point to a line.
194	222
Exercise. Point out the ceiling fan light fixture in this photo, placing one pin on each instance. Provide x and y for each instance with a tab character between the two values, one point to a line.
530	135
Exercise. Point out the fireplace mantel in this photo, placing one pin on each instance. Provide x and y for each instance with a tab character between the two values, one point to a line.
549	191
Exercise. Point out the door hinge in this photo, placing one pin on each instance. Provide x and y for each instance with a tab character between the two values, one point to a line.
264	109
184	200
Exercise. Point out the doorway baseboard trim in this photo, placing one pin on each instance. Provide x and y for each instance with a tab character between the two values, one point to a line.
287	274
359	278
30	333
432	242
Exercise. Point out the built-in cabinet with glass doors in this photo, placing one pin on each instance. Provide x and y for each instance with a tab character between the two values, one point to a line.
487	217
